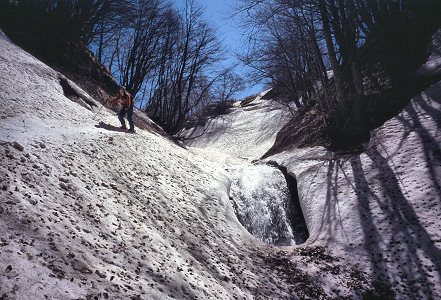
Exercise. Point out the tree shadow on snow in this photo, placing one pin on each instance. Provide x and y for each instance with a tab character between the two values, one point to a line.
424	103
410	247
400	249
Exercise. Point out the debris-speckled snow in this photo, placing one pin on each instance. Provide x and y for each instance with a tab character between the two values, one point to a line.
380	209
90	213
87	212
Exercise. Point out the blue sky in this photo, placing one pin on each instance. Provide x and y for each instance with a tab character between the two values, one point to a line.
218	13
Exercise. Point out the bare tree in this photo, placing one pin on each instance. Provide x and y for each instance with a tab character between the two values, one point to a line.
227	86
285	47
363	42
137	52
180	82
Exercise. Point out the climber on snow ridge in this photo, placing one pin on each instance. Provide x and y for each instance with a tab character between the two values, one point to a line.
127	102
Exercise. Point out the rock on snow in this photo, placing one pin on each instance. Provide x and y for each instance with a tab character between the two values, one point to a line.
90	213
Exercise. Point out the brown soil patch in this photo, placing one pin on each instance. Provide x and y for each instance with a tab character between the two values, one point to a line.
305	129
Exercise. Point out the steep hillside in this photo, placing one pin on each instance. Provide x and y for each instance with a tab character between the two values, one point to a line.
380	209
88	212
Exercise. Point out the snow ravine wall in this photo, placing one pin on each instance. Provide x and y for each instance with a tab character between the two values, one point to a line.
91	213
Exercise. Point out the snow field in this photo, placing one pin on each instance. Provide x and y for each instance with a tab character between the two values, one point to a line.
88	212
244	133
380	210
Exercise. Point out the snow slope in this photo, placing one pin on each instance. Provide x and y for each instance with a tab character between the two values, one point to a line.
245	132
87	212
380	209
90	213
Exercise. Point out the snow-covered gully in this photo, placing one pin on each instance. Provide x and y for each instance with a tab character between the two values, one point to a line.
378	211
91	213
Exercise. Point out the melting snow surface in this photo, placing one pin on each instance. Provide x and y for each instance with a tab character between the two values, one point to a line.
380	210
245	132
87	212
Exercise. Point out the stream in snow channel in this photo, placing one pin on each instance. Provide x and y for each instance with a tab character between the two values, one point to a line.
263	204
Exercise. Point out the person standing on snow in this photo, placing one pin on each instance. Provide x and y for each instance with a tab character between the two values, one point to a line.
127	103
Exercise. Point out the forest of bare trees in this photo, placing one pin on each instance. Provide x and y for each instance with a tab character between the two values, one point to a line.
167	58
163	56
354	61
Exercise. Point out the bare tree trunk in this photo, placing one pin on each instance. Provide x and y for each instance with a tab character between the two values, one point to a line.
100	43
359	96
338	79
